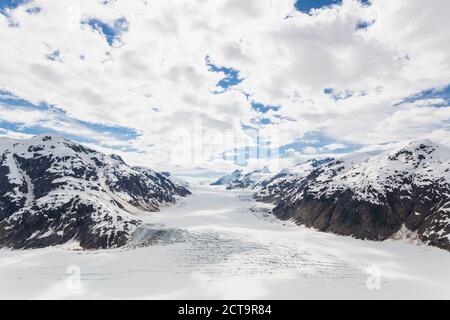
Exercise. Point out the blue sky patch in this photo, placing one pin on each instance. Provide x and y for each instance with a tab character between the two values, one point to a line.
6	5
37	130
363	25
111	31
33	10
306	6
261	121
10	101
232	76
319	141
434	93
262	108
336	96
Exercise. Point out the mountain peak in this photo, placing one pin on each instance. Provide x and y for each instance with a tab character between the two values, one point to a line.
263	170
422	144
57	190
370	196
47	138
418	149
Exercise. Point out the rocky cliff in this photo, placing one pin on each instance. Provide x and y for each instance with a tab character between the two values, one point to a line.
53	191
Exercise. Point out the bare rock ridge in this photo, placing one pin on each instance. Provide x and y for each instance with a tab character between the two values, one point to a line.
53	191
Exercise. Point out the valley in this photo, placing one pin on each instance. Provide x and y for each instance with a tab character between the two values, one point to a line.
221	244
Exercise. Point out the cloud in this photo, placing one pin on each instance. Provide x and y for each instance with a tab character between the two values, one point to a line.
333	147
155	68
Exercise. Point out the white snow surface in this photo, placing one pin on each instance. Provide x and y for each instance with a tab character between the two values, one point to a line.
223	245
274	185
420	163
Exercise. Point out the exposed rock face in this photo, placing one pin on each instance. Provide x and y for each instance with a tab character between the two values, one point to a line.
281	184
371	197
53	191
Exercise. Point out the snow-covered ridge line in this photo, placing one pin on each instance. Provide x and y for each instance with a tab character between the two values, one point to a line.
53	190
370	197
241	180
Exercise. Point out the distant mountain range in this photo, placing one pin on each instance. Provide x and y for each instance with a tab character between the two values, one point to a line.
240	180
53	191
405	191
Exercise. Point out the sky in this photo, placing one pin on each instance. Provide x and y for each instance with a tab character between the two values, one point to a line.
189	84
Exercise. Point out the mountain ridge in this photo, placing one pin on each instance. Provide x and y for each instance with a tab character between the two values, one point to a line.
373	197
53	191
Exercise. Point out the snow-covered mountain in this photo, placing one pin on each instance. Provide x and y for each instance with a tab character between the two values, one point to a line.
240	180
53	191
275	186
222	181
371	197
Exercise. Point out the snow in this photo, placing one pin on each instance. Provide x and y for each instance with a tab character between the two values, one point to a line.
79	172
244	180
228	178
420	163
219	244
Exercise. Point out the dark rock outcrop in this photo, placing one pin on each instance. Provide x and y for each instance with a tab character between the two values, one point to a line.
53	191
371	197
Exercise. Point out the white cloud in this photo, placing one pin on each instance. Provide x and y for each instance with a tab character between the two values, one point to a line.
159	64
310	150
333	147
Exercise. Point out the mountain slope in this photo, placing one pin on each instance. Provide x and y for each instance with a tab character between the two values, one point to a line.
283	183
53	191
240	180
373	197
228	178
